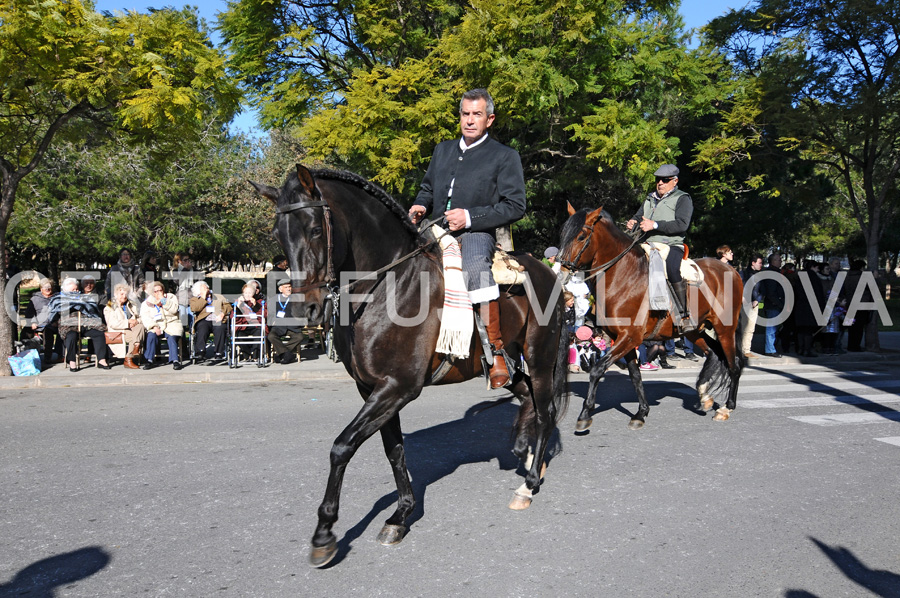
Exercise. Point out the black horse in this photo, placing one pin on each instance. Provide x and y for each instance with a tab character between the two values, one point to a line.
331	223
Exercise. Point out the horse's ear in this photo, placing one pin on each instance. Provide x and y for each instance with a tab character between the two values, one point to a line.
594	216
266	191
307	181
570	209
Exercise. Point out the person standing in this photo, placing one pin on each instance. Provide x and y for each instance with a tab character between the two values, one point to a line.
725	254
127	271
751	307
773	300
475	184
666	216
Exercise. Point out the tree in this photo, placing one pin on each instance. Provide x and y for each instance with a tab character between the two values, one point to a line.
153	76
818	83
591	93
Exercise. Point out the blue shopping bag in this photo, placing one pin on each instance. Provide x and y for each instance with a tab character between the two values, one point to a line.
26	363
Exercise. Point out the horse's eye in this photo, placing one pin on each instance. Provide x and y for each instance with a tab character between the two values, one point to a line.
316	231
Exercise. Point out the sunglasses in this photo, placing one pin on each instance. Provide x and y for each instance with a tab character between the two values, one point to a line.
667	179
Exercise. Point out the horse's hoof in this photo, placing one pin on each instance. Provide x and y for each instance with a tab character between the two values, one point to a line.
320	556
520	502
583	424
722	414
706	404
635	424
391	534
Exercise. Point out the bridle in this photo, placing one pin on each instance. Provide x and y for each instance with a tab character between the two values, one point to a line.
636	236
330	279
329	238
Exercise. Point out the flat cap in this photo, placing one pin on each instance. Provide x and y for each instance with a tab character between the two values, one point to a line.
551	252
283	282
666	170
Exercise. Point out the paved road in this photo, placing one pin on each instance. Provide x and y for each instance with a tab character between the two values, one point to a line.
211	490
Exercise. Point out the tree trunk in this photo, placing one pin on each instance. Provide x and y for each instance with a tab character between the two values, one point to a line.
6	324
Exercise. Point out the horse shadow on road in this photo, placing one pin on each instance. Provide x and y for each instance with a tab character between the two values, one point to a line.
40	579
613	394
482	435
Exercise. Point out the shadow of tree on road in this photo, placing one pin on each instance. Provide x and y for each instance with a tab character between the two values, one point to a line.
879	582
40	579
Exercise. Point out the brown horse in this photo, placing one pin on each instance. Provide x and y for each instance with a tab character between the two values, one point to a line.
591	242
334	225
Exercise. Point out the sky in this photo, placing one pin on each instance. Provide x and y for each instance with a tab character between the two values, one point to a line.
695	12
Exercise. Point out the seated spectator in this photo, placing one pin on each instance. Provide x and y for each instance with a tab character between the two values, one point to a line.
41	324
79	313
123	315
284	339
250	315
209	312
128	272
279	263
159	315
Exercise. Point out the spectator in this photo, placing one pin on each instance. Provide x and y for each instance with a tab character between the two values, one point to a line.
857	326
725	254
279	263
128	272
285	340
123	315
185	277
210	311
42	324
806	306
159	315
250	319
751	308
773	300
150	266
79	315
550	256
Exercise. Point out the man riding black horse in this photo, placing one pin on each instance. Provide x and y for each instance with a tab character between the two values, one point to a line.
666	216
476	184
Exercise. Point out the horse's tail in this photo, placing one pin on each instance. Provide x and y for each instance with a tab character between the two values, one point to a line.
561	367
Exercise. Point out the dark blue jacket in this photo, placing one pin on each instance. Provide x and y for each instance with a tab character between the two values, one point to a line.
489	183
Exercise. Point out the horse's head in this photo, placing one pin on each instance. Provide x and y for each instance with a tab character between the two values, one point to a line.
303	228
579	238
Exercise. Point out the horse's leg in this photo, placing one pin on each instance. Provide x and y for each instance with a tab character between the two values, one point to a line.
734	361
395	526
704	380
524	423
381	406
597	373
541	388
634	372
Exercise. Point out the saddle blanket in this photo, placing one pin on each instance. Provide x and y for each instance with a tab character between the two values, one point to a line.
690	271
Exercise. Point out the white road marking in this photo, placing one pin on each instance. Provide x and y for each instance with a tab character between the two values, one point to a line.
895	440
837	419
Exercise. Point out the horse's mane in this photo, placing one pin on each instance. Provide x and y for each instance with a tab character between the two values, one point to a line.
576	222
375	191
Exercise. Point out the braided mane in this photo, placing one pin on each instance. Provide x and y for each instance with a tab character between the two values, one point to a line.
375	191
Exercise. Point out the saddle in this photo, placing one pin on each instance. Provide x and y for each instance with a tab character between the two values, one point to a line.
506	269
690	271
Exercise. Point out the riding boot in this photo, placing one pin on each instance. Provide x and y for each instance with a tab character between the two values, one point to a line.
129	359
681	315
490	315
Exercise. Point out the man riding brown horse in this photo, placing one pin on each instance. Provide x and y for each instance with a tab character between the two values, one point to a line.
476	184
665	217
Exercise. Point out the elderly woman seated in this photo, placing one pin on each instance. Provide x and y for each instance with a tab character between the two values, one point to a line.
159	315
249	320
210	311
79	314
123	316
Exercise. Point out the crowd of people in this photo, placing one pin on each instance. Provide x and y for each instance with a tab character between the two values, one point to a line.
142	310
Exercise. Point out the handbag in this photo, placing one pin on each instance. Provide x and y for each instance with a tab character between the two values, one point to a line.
114	338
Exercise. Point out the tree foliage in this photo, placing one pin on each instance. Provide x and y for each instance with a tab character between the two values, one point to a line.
592	93
818	84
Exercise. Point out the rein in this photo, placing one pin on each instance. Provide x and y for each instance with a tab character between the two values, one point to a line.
330	277
604	267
